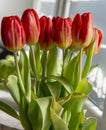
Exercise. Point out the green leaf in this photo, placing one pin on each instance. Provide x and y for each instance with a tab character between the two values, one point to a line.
75	105
88	61
75	102
84	87
71	72
7	67
9	110
55	114
76	120
62	81
39	114
54	88
12	85
58	123
52	61
37	57
23	113
25	72
89	124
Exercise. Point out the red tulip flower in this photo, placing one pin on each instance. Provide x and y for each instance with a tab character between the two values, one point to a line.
97	40
12	33
62	34
31	25
82	30
46	33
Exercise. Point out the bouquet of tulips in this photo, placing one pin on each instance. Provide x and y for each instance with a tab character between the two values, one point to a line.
49	81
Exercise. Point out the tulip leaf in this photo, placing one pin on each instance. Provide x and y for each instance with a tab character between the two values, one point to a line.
12	85
84	87
54	88
55	114
52	61
88	61
37	53
25	72
71	72
23	110
38	113
7	67
9	110
75	105
76	120
76	100
63	81
89	124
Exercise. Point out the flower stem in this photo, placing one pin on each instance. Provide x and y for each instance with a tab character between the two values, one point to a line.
63	62
80	65
19	75
44	64
35	67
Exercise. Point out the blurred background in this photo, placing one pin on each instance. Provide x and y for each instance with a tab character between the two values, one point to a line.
69	8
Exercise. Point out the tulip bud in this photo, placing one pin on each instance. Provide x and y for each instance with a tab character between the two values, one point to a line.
97	40
82	30
62	33
46	33
12	33
31	25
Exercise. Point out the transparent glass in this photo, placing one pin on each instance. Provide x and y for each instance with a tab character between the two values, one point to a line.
45	7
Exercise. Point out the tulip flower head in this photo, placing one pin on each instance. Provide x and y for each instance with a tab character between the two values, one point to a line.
62	28
97	40
31	25
82	30
46	33
12	33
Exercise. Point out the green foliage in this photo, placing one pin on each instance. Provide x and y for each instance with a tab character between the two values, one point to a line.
52	65
55	114
50	100
39	114
37	57
54	88
84	87
71	71
63	82
89	124
7	67
25	73
12	86
9	110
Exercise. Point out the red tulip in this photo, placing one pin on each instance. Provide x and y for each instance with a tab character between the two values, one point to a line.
97	40
46	33
31	25
82	30
62	28
12	33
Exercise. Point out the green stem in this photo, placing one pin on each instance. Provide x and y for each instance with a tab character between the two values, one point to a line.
34	62
19	74
35	67
88	62
44	64
63	62
80	65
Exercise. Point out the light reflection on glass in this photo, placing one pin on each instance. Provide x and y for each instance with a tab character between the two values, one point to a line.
99	82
